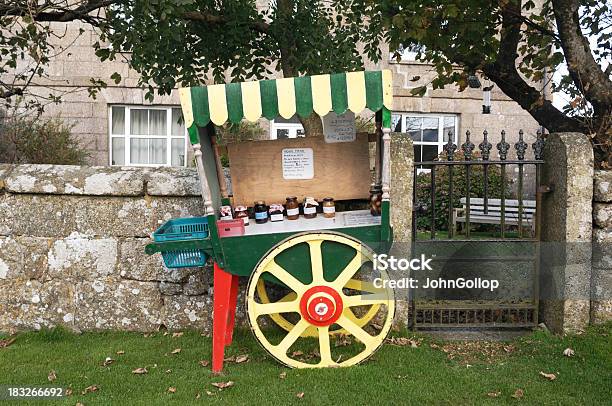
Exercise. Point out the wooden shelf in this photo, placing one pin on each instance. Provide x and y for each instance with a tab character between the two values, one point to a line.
345	219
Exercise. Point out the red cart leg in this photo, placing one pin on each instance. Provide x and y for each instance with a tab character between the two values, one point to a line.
224	310
229	333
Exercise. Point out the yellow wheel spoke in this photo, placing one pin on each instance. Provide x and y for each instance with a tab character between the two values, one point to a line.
350	270
292	336
364	300
357	331
316	261
292	283
324	346
363	286
261	309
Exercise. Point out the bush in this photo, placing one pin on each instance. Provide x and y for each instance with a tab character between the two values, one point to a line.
423	203
35	140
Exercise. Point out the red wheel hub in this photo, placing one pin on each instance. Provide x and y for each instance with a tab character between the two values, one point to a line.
321	306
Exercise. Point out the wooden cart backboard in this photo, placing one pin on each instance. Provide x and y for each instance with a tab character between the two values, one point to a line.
340	170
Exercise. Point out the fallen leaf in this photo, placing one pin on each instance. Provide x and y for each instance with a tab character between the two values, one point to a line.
223	385
68	392
198	396
282	375
519	393
79	404
434	346
242	358
343	340
177	335
140	371
494	394
568	352
89	389
297	353
403	341
7	342
172	389
209	393
204	362
120	352
52	376
176	351
107	361
300	395
550	377
168	371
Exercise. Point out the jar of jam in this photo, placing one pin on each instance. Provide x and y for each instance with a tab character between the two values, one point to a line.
310	207
276	212
376	200
329	208
225	213
261	212
293	208
241	212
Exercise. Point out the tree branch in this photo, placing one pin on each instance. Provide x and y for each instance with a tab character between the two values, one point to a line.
258	26
588	76
504	73
58	14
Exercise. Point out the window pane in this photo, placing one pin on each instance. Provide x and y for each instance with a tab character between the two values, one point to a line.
413	127
118	117
430	129
449	126
282	133
139	124
118	151
430	152
138	151
177	128
177	151
396	123
417	153
157	122
157	151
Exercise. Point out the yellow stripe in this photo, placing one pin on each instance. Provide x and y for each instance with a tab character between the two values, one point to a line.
217	104
321	94
286	97
387	85
251	101
185	96
355	91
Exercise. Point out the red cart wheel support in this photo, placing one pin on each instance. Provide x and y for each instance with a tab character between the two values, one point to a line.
225	295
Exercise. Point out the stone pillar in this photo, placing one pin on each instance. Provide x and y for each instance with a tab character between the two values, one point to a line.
402	160
566	219
601	279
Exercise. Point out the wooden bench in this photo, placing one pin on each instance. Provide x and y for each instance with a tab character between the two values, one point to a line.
493	214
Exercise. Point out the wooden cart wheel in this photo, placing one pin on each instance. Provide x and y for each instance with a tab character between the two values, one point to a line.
287	325
321	306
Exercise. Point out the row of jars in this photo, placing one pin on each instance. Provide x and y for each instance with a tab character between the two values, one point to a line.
263	213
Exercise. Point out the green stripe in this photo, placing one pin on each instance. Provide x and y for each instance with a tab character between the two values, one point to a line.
386	117
338	93
269	99
199	105
374	90
193	134
233	95
303	95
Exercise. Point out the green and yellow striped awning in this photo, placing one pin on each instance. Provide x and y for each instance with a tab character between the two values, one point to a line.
286	97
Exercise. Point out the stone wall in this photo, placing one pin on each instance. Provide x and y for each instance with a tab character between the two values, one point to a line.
601	292
72	245
72	249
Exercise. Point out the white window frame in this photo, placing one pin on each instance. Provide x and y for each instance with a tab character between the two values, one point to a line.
440	143
127	136
292	127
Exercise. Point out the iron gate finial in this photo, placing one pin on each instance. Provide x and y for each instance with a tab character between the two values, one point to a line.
503	146
538	146
450	147
467	147
521	147
485	146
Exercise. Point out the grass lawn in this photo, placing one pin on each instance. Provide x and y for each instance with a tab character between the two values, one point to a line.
434	372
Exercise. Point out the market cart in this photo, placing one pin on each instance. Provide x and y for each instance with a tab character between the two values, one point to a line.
311	275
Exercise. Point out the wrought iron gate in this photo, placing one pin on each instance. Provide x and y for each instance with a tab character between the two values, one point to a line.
474	216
